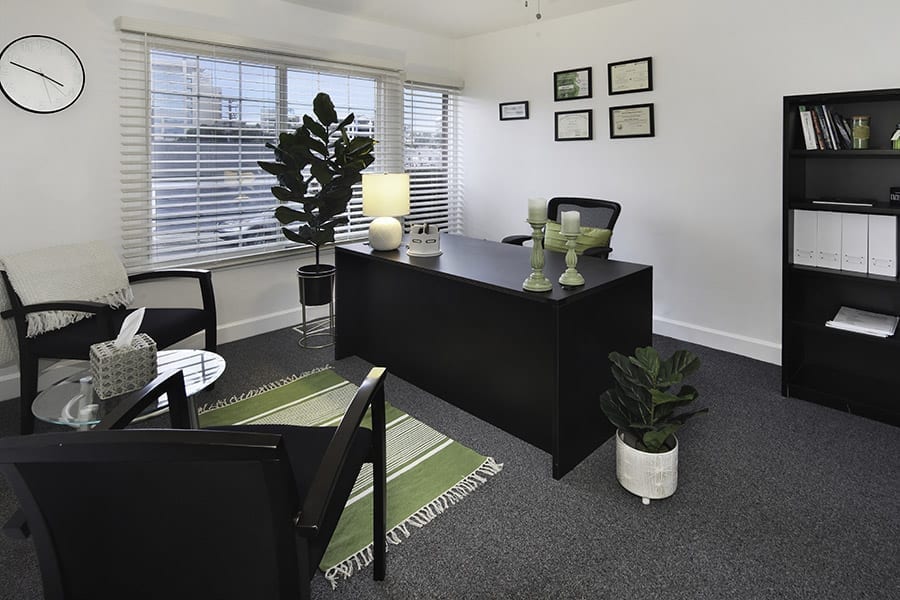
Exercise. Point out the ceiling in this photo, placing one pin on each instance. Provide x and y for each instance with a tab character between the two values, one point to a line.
456	18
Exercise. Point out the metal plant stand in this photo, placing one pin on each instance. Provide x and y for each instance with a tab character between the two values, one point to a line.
316	289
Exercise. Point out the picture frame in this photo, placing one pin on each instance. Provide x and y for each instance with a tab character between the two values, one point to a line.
573	125
630	76
514	111
573	84
631	121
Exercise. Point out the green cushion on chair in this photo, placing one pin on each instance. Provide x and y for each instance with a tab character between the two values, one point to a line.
590	237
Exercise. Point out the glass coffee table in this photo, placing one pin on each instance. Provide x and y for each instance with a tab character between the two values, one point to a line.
71	402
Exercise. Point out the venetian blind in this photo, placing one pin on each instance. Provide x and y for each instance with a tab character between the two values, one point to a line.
432	129
195	118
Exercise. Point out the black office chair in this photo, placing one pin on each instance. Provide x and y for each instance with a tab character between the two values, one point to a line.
166	326
600	214
236	512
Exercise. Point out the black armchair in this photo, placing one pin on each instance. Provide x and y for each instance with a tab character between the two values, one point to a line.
238	512
166	326
600	214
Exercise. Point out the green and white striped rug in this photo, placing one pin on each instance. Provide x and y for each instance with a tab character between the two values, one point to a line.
427	472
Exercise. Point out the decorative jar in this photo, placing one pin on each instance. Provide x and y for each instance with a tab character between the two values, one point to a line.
860	126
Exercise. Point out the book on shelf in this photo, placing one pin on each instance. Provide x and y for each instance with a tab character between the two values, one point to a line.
809	134
817	128
863	321
844	131
826	127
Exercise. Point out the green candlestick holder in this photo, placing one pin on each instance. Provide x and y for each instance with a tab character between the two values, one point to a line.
537	282
571	277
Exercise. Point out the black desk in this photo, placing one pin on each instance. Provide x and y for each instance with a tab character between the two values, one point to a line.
461	327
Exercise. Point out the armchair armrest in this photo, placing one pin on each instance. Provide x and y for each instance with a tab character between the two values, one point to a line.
203	277
171	384
518	240
312	514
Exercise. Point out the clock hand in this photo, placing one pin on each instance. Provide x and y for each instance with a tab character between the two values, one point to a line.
36	73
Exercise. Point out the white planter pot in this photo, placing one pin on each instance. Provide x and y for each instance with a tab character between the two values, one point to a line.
649	475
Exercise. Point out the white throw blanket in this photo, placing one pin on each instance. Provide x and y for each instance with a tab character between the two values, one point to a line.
88	271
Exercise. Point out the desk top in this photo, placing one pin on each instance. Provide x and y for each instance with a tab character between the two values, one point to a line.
503	267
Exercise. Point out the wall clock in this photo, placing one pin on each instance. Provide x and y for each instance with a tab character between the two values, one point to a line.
41	74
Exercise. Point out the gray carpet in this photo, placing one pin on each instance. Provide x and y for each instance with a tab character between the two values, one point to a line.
777	498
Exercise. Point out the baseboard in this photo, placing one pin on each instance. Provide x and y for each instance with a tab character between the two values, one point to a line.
720	340
227	332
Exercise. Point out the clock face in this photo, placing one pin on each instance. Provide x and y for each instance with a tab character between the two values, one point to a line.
41	74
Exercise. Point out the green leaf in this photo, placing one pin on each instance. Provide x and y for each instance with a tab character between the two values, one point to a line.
272	168
321	172
347	121
647	359
284	195
687	394
324	235
360	145
303	236
315	128
613	411
324	109
654	441
286	215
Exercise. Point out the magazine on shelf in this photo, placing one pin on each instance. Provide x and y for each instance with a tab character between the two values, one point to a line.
862	321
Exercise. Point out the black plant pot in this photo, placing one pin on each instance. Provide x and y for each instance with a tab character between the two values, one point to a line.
316	284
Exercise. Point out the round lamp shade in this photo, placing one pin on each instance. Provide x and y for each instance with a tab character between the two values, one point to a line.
385	194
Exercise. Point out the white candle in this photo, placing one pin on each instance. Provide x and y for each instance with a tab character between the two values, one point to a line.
571	221
537	209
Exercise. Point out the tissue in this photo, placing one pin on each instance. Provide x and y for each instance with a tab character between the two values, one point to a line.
126	363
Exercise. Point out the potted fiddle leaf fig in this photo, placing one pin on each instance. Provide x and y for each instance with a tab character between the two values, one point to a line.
646	413
317	166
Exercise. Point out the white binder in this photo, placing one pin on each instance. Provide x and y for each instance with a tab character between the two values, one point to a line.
883	245
805	237
854	242
828	240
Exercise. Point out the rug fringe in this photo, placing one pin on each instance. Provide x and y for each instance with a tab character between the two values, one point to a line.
419	519
222	402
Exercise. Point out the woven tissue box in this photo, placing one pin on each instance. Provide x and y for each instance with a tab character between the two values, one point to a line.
118	371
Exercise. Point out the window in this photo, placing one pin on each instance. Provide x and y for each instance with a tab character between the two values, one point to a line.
195	121
431	156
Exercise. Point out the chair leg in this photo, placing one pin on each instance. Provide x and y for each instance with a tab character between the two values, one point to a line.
379	477
211	338
28	383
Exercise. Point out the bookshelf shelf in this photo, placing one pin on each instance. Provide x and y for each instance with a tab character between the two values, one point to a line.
856	154
844	370
876	209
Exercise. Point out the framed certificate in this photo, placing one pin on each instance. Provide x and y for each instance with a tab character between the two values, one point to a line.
574	125
511	111
629	76
573	84
635	120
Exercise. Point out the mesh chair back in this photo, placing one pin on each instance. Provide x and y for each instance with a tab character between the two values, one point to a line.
594	213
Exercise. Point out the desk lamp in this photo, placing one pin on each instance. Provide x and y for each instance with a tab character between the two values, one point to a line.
385	196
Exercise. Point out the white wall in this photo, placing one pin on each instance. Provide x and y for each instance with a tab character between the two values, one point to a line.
60	172
701	200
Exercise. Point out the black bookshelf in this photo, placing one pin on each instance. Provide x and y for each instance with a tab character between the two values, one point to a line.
843	370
